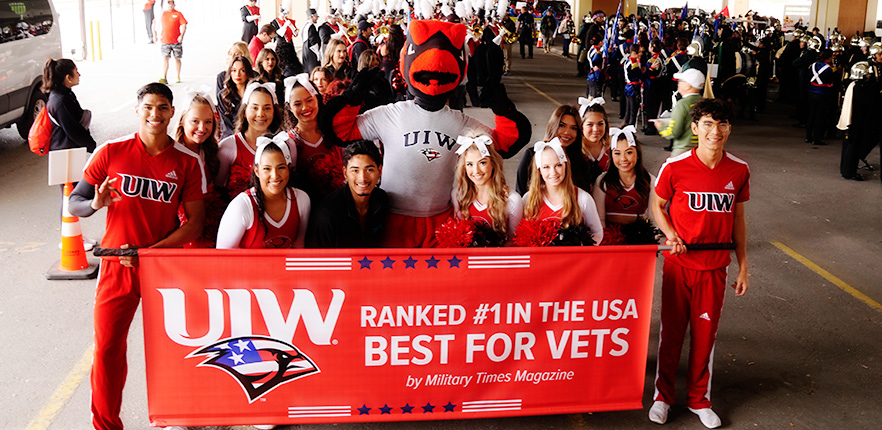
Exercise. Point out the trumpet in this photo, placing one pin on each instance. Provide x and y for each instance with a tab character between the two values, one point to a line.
383	30
477	31
509	37
295	32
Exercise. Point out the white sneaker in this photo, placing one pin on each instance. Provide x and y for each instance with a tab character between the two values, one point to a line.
707	417
264	426
658	413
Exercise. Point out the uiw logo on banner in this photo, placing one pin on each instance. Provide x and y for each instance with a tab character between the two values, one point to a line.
331	336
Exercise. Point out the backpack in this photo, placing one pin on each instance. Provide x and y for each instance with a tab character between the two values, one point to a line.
349	51
40	134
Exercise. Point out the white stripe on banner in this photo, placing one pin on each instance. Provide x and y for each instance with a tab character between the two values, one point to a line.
319	411
339	263
499	262
491	405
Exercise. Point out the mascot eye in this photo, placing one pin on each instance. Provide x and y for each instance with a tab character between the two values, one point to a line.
410	50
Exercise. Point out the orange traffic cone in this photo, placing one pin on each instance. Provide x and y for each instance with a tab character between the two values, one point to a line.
73	264
539	42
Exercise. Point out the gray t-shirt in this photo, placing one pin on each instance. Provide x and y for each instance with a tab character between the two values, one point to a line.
419	153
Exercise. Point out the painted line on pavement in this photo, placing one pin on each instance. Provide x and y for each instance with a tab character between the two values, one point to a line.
557	103
63	393
829	276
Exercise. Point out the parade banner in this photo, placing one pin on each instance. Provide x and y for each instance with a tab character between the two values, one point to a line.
331	336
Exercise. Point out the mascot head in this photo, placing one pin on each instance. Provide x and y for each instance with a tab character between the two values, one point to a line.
433	60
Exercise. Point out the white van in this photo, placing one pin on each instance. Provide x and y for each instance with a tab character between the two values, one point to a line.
29	35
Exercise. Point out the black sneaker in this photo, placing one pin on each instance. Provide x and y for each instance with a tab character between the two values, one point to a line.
819	143
855	177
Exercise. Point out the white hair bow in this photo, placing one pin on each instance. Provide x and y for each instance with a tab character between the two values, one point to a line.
584	103
628	131
303	79
554	144
269	86
280	140
203	91
480	142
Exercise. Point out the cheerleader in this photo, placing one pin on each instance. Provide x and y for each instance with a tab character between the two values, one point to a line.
271	214
552	194
197	131
259	114
563	125
621	194
595	135
480	192
319	168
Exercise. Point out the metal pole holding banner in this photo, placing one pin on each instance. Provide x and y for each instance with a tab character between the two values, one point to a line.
133	252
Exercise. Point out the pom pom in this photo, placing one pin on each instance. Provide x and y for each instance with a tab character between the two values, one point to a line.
612	235
641	232
536	232
240	179
455	233
326	173
577	235
486	237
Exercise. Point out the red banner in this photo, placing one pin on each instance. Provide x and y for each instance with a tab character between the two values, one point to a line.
322	336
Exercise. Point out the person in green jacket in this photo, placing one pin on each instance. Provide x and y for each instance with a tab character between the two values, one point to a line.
690	82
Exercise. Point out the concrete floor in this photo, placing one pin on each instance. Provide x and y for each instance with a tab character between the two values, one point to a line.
796	351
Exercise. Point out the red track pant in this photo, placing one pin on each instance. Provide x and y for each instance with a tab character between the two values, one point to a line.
692	298
403	231
116	300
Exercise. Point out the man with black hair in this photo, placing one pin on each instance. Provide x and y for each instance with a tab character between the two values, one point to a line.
142	179
353	216
699	198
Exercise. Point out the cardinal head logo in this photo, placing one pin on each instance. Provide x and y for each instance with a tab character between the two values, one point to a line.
260	364
431	154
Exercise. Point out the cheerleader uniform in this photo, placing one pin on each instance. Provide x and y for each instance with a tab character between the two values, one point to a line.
241	228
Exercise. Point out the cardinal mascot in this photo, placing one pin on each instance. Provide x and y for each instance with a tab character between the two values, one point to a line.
418	136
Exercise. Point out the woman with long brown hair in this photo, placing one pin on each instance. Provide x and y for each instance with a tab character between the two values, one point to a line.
229	96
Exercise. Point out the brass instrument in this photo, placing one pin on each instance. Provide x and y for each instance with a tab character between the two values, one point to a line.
351	30
477	31
573	38
814	44
509	37
384	30
295	32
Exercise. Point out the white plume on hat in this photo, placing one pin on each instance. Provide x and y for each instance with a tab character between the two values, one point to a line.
462	11
502	8
488	7
347	8
365	8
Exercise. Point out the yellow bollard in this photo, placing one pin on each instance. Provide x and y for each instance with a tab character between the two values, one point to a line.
91	41
98	25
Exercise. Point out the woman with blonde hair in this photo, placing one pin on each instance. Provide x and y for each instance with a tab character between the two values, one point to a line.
552	194
335	59
198	131
563	125
479	190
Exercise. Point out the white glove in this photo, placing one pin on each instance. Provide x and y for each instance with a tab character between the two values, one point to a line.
251	18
